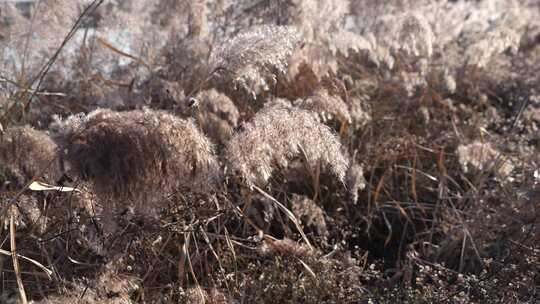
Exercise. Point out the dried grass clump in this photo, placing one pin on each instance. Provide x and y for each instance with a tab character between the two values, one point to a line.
278	134
480	157
253	59
355	181
413	36
494	43
326	38
164	95
347	43
26	153
197	295
310	214
332	108
41	26
313	18
327	106
110	280
29	214
286	247
217	115
139	153
359	110
109	287
186	62
25	212
288	273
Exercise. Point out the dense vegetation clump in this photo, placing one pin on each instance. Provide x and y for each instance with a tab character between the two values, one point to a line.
291	151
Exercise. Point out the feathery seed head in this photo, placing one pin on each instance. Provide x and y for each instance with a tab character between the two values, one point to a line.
252	59
355	180
327	106
495	42
416	35
138	153
26	152
217	115
279	133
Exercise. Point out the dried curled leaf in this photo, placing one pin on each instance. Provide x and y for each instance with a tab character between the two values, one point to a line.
41	186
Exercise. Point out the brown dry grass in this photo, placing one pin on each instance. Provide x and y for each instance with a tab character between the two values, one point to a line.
291	152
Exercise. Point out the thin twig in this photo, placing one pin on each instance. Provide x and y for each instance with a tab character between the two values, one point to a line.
186	252
45	269
106	44
40	76
289	214
16	268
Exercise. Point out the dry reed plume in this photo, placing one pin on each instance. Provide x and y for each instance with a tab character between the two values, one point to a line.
134	154
26	153
217	115
253	59
276	135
